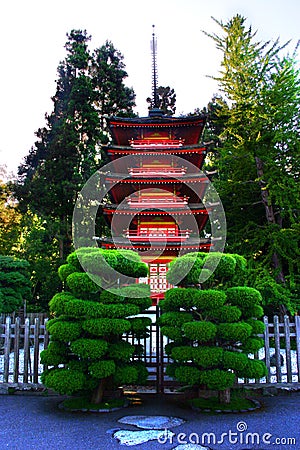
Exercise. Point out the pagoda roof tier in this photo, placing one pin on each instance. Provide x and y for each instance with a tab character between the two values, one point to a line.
186	128
121	150
191	245
193	185
195	216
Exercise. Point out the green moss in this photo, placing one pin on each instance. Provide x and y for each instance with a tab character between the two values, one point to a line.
213	404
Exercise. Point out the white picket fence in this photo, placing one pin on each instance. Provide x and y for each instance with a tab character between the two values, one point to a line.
21	342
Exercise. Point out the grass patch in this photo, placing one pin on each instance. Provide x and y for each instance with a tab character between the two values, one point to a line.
83	404
213	404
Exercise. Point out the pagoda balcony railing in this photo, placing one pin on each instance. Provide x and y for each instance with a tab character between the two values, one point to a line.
157	143
158	201
168	236
148	171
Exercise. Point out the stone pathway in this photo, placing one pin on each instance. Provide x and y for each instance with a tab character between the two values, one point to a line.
153	428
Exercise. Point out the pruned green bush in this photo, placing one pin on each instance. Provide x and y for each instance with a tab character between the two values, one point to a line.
200	331
234	360
225	313
106	327
217	379
213	326
244	296
102	369
89	348
65	270
209	299
206	357
88	325
64	331
15	284
122	351
236	332
64	381
81	283
253	369
182	354
174	318
188	375
253	344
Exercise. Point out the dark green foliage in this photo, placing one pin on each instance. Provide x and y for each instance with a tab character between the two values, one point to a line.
81	283
207	356
217	379
234	331
243	296
65	270
106	327
102	369
174	318
225	314
89	348
64	331
122	351
188	375
64	381
126	374
252	345
55	354
213	327
58	303
200	331
182	354
89	324
234	360
15	285
209	299
253	369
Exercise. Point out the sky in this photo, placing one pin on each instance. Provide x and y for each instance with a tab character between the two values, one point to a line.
33	35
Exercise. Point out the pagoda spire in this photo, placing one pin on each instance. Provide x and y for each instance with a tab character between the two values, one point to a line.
154	69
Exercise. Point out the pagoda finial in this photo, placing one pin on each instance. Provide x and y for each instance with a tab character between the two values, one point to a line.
154	69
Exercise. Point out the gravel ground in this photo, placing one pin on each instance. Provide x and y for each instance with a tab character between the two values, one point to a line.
35	422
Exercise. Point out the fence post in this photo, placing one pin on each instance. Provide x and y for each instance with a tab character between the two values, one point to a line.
7	341
297	329
267	347
277	348
288	348
16	349
26	349
36	352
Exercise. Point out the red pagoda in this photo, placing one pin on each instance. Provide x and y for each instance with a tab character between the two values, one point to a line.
156	188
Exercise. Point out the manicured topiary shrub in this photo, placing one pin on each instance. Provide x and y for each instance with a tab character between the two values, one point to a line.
88	352
213	326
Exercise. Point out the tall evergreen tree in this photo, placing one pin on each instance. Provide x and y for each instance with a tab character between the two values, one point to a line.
259	159
68	151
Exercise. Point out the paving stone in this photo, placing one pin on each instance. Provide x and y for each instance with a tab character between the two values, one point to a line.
152	422
130	438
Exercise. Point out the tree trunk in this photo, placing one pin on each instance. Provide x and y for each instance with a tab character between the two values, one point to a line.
97	395
224	396
280	278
